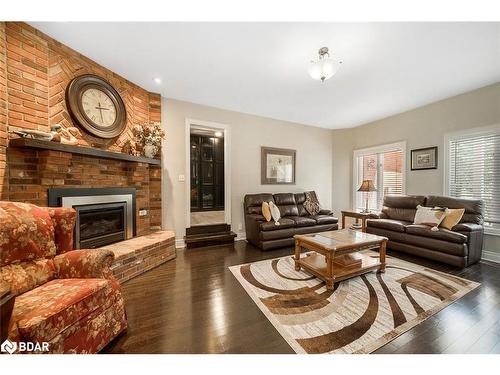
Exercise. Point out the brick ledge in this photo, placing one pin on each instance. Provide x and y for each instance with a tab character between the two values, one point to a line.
140	254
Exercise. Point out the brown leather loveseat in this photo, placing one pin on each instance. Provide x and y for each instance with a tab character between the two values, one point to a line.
461	246
294	220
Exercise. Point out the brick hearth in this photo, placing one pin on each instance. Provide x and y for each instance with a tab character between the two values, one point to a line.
140	254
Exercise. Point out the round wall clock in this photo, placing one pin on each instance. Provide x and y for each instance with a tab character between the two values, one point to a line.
96	106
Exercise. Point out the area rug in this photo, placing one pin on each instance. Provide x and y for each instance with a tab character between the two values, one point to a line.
360	315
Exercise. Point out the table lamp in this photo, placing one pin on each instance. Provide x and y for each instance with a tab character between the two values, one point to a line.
367	187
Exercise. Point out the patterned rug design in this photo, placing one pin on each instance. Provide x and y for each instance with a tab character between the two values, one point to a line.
360	315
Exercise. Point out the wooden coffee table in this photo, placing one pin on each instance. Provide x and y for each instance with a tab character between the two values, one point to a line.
337	254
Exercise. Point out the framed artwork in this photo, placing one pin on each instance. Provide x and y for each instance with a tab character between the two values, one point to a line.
277	166
424	158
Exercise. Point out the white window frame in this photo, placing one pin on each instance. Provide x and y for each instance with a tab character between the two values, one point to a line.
464	134
374	150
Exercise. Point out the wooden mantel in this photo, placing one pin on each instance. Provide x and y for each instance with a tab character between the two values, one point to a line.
46	145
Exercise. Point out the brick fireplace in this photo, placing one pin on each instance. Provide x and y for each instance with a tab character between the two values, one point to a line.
35	71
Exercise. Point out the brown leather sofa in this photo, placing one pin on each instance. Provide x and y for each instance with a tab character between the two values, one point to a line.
461	246
294	220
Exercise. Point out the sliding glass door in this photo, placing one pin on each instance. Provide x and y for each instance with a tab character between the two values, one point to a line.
385	166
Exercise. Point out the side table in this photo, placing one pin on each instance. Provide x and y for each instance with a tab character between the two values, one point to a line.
363	216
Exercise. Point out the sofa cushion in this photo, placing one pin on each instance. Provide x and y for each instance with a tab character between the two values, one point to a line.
324	219
277	234
441	234
26	233
448	247
300	198
389	224
25	276
253	202
271	225
303	221
402	207
44	312
473	207
286	203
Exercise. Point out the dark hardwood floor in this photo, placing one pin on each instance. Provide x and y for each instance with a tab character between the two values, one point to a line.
195	305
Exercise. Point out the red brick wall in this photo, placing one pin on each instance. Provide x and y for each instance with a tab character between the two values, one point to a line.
34	73
3	114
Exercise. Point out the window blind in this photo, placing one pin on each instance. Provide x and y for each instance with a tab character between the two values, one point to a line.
474	172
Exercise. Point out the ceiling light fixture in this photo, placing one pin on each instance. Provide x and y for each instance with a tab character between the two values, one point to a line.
325	67
157	80
218	134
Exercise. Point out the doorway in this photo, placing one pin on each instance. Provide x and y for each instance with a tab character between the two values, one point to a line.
207	180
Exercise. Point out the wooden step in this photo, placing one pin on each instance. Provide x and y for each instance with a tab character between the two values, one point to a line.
211	228
208	235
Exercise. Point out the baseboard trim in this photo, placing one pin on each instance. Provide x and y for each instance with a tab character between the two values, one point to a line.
491	256
240	237
180	244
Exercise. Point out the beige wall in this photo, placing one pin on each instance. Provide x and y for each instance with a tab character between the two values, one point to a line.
248	133
421	127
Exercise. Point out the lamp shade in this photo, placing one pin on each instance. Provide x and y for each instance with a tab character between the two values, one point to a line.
367	185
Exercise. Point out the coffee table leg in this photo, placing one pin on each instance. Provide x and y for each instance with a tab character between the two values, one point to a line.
329	272
297	255
382	249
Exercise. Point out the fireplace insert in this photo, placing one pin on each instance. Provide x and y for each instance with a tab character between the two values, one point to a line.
104	216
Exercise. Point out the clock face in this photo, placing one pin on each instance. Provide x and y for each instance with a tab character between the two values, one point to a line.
98	107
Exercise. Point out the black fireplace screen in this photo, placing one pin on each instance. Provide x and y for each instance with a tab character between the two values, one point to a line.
99	225
95	223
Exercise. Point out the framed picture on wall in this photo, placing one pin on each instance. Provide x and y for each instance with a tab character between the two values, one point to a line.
424	158
277	166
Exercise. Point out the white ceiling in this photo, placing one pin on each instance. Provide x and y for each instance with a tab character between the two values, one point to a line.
261	68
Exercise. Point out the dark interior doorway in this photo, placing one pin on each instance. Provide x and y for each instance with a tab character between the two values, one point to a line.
207	172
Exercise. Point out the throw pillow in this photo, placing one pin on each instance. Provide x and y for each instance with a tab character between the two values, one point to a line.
431	216
311	204
266	211
452	218
275	212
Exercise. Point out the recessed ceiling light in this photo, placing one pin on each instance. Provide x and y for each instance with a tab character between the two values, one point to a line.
218	134
157	80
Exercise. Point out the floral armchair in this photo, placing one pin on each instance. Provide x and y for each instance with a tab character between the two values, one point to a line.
65	297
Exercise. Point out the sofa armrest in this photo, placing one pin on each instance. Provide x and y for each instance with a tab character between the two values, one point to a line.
64	219
255	217
380	215
325	212
474	233
94	263
467	227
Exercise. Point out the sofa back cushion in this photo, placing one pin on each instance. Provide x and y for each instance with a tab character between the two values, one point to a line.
28	275
402	207
253	202
300	198
64	219
286	204
474	208
26	233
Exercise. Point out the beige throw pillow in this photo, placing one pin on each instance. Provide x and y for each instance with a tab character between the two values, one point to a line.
431	216
275	212
266	211
452	218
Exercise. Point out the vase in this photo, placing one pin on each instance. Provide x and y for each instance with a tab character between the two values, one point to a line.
150	150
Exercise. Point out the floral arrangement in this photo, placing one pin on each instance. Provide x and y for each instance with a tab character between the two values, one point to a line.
148	138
